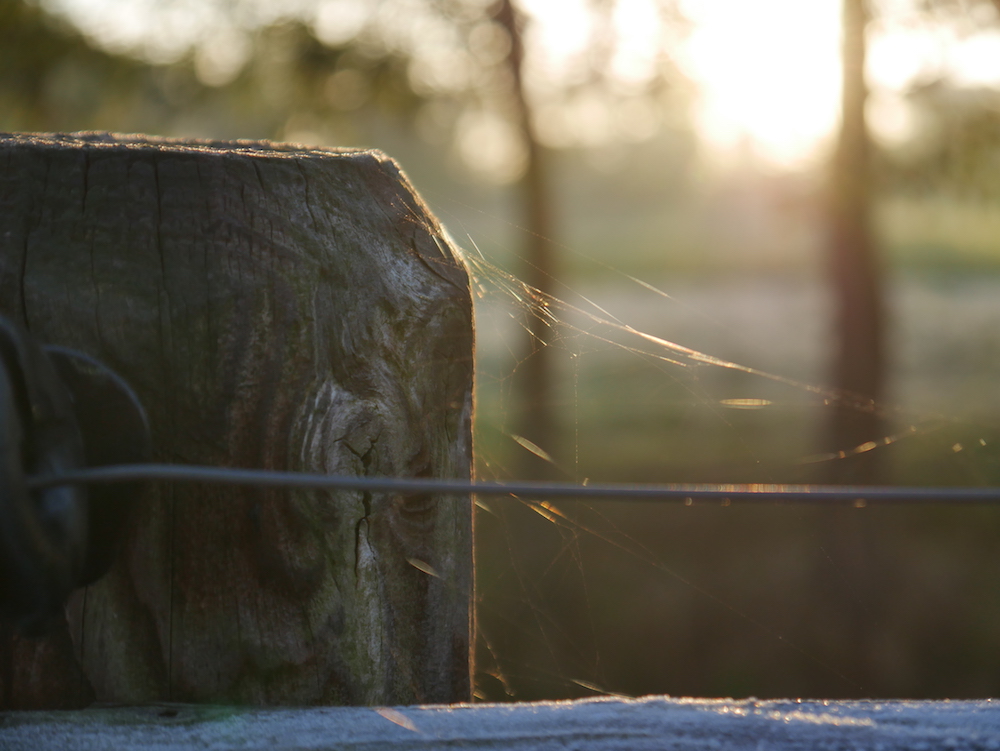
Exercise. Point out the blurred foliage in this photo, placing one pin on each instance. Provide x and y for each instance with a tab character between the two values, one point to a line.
970	13
443	74
293	83
53	78
956	146
437	65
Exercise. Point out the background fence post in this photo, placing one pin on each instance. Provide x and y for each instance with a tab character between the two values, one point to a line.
273	307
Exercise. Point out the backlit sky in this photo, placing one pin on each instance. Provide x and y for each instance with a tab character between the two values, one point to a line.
794	71
767	71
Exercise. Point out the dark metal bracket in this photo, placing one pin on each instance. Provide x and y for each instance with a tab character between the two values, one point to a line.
60	411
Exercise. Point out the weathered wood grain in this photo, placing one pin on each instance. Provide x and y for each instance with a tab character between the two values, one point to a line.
649	724
272	307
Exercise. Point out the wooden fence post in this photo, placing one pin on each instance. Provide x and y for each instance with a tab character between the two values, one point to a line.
273	307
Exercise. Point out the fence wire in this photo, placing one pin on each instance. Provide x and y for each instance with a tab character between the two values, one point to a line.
856	495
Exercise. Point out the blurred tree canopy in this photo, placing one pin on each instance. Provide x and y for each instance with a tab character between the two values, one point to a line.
244	68
267	70
53	78
956	146
952	143
56	78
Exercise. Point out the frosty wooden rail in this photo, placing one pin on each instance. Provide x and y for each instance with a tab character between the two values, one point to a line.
274	308
652	723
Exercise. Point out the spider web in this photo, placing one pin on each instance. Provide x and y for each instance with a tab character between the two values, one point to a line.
576	599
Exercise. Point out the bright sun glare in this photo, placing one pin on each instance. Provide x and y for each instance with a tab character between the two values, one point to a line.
768	74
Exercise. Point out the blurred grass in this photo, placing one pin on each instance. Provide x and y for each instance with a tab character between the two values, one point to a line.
941	235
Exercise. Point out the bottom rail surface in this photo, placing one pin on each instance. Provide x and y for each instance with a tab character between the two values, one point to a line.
654	722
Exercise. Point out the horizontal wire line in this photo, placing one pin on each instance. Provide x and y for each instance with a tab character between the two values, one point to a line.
749	493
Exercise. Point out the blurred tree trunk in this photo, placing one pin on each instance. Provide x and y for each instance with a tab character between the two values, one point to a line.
858	367
846	588
537	419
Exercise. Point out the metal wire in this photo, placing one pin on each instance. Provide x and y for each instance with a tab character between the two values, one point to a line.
857	495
